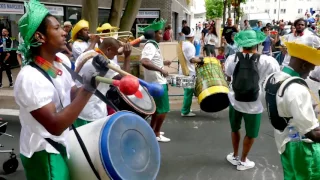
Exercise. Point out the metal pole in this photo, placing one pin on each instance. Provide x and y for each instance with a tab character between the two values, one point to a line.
279	11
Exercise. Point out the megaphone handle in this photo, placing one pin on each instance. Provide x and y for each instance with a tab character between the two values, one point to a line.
136	41
120	71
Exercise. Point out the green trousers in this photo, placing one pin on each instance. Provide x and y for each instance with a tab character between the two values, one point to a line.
80	122
301	161
187	100
46	166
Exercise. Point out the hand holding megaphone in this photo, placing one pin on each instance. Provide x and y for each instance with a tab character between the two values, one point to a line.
134	42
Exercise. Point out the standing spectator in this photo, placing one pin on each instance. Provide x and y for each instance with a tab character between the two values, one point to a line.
232	48
228	30
210	41
246	25
267	49
203	34
19	54
281	32
259	26
168	34
67	26
181	35
5	57
292	29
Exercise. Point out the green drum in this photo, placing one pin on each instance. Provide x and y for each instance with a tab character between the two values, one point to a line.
211	87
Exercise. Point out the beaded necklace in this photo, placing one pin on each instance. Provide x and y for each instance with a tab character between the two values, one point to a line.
48	67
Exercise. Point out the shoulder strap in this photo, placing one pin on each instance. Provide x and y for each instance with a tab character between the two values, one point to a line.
153	42
238	55
56	145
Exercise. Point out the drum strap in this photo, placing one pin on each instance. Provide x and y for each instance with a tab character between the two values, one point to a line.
56	145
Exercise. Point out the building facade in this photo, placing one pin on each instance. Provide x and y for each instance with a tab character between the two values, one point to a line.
288	10
174	11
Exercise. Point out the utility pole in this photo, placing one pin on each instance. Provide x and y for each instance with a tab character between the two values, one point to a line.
279	10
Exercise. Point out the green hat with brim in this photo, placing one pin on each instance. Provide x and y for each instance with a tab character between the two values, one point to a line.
155	26
28	25
249	38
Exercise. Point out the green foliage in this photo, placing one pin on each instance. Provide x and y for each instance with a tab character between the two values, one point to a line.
214	8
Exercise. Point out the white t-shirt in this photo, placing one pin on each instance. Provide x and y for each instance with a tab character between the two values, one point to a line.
209	37
297	103
32	91
151	52
266	66
95	109
64	58
308	38
78	47
189	52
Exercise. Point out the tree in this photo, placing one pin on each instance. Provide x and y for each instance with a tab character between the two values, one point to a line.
90	13
129	15
214	8
115	13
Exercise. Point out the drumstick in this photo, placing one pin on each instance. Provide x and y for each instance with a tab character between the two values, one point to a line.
128	85
155	89
136	41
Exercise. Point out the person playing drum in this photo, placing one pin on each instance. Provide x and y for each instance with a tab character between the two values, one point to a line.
43	89
189	52
154	71
96	108
82	42
248	109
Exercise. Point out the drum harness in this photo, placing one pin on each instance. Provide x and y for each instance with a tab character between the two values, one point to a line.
56	145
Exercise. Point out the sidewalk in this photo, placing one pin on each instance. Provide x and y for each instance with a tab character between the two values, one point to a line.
7	96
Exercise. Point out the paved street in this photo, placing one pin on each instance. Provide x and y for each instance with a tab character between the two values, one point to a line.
197	150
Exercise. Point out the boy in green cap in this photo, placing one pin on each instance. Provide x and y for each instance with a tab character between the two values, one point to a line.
43	90
154	71
245	92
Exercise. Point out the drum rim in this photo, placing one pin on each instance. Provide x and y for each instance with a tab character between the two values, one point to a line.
104	154
142	111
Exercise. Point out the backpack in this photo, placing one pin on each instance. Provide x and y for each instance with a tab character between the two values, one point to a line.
166	35
271	89
245	79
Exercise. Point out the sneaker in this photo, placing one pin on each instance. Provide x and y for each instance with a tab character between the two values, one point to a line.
233	160
245	165
161	138
11	85
190	114
161	133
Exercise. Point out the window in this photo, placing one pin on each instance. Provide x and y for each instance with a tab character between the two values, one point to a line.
267	11
275	0
267	0
251	7
283	11
299	11
275	11
283	0
246	8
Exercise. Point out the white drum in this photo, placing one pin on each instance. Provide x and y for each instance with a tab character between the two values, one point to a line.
121	147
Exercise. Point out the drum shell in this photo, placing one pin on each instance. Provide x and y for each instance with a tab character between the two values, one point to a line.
211	87
101	138
79	168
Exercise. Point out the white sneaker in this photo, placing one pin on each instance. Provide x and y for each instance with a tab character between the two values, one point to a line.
161	133
245	165
190	114
233	160
161	138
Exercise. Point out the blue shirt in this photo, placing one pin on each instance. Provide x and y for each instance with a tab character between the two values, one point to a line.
266	46
257	28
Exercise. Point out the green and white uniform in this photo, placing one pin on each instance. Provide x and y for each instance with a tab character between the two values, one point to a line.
33	91
300	159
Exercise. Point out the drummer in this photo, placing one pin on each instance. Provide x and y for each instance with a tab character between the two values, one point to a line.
96	108
189	52
46	111
154	71
247	109
82	42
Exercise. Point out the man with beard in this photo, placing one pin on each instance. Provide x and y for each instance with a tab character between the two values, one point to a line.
302	35
82	41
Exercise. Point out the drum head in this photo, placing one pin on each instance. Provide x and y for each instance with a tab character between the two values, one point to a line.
128	148
144	105
209	104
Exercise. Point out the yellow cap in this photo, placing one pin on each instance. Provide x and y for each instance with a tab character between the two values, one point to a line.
107	26
304	52
80	25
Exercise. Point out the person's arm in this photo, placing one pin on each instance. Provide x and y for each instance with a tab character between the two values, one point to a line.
94	40
127	49
19	58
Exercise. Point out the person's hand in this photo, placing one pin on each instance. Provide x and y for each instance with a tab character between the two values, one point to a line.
201	61
89	81
164	73
127	49
224	41
100	63
94	38
167	63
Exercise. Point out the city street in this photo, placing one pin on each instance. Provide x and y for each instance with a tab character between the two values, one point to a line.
197	151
